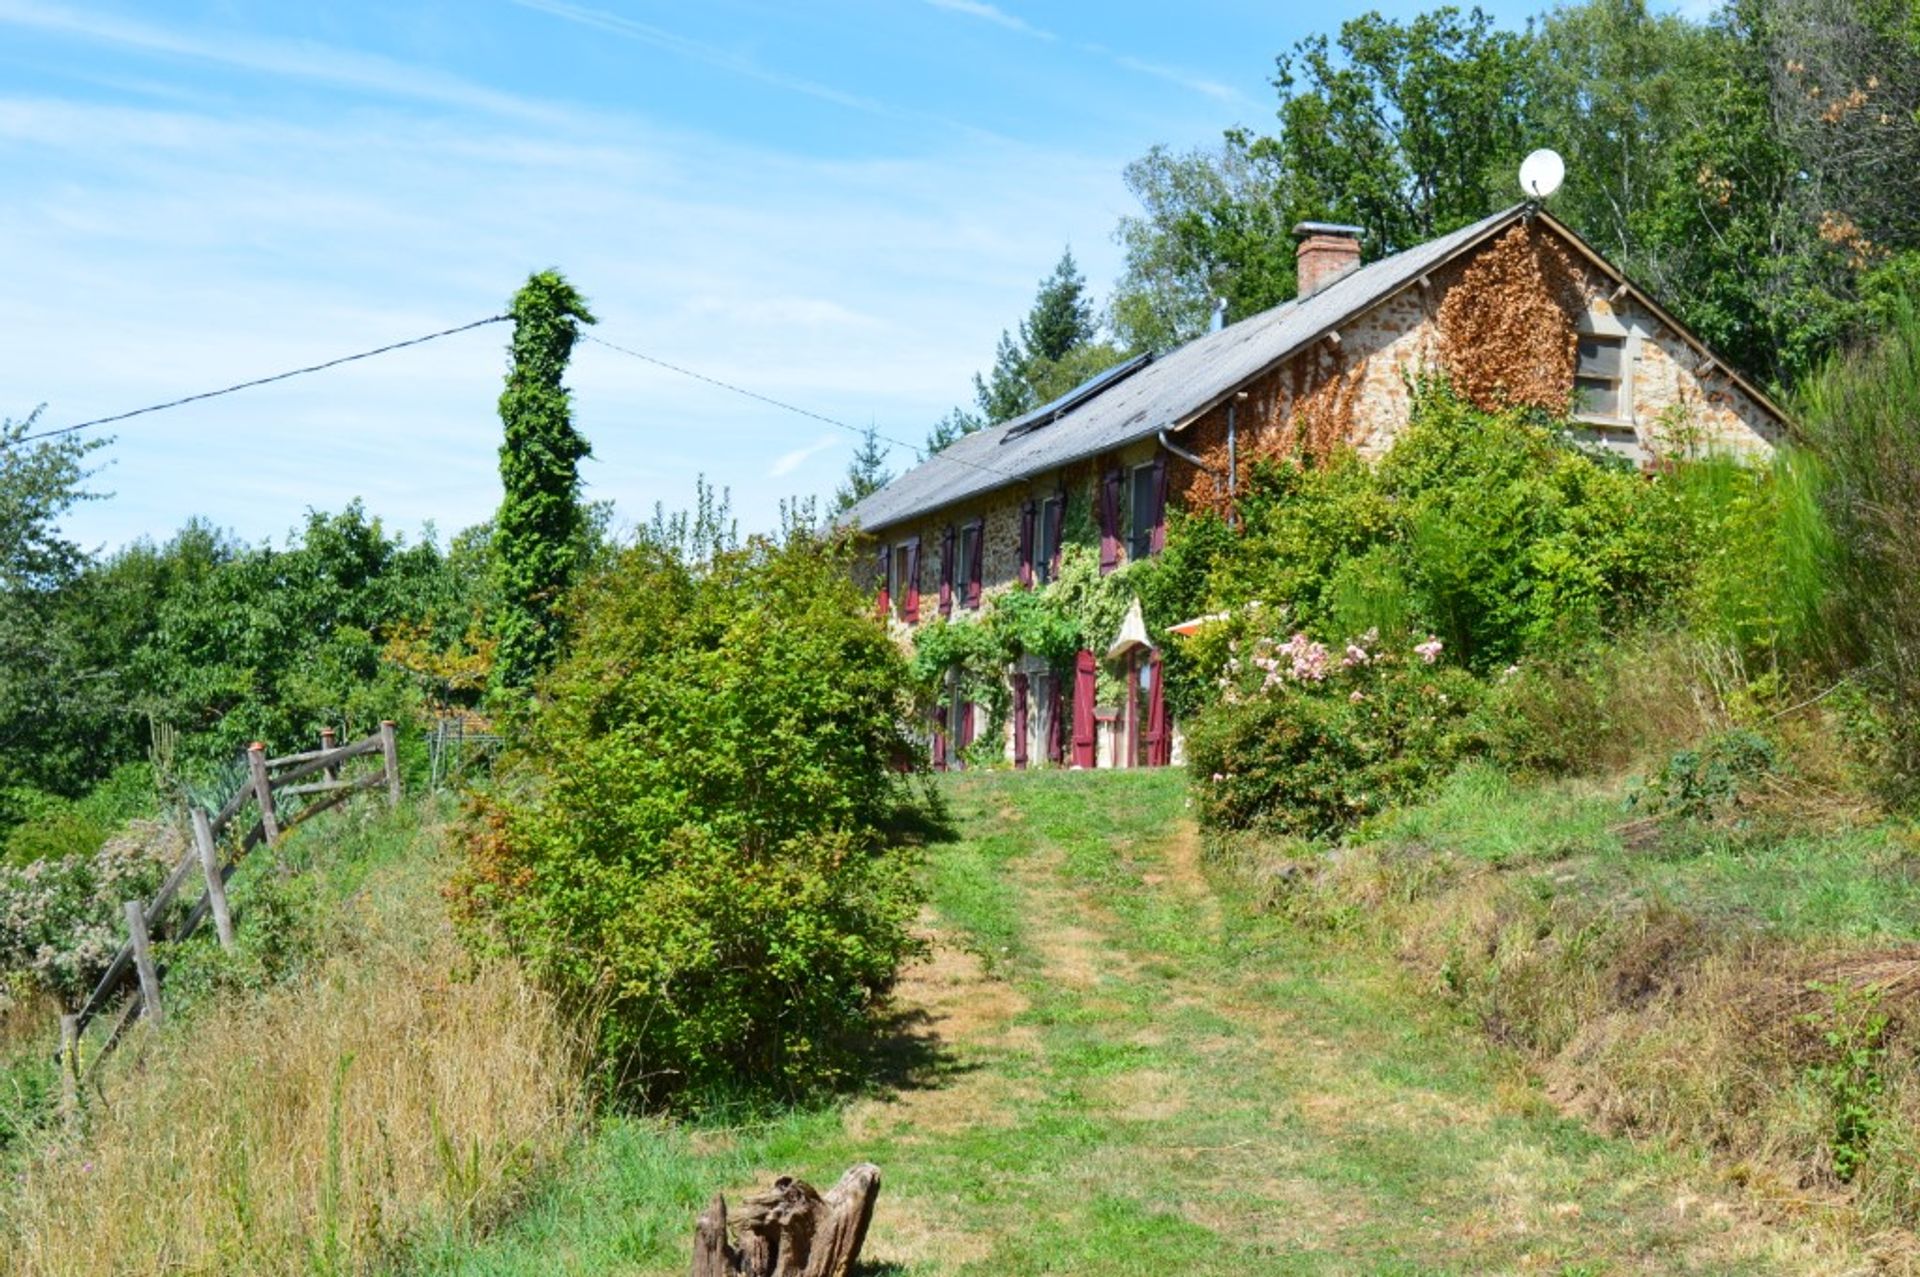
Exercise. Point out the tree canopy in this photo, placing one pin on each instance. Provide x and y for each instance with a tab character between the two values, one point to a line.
1738	167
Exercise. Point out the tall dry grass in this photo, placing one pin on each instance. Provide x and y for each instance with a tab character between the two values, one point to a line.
318	1126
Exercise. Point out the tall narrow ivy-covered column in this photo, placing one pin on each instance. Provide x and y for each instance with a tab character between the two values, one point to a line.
536	536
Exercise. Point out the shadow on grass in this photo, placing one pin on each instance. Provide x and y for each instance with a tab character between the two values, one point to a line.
922	820
905	1053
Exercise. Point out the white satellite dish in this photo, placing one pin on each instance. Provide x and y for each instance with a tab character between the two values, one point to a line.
1541	174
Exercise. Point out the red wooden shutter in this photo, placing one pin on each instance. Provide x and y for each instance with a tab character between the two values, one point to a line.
1158	541
1054	515
1020	720
1109	521
979	559
946	572
883	602
1085	687
1054	754
1159	742
964	736
911	613
1026	544
938	719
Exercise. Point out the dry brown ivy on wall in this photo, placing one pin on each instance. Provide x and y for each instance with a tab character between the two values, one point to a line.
1508	323
1306	409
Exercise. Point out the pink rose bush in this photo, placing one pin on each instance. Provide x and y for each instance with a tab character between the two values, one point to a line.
1309	739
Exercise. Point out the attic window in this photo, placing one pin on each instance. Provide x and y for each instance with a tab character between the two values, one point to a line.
1599	381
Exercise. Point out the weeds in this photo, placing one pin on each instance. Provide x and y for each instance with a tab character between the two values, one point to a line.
1854	1030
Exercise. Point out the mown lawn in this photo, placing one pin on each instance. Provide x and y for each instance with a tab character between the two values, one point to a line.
1111	1064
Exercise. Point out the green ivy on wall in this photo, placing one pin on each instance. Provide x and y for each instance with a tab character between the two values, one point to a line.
971	653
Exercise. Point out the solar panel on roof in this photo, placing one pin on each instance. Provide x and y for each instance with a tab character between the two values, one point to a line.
1086	390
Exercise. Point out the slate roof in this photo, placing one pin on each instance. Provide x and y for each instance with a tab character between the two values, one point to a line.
1164	393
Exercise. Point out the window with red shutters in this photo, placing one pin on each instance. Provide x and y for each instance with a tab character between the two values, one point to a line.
910	610
1020	721
946	572
974	552
1110	521
1047	559
1026	543
1157	507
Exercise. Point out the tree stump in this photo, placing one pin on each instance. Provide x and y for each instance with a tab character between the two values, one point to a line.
789	1230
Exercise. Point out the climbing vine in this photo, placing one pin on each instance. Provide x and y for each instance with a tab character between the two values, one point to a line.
536	537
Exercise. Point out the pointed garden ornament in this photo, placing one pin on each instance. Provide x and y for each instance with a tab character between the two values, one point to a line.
1133	633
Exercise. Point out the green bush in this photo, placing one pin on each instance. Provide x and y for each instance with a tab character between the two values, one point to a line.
54	828
1494	531
1309	741
692	842
1862	415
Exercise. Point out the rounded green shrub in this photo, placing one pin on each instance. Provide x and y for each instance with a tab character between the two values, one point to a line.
692	841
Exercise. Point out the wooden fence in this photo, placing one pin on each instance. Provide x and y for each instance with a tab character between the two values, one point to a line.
131	986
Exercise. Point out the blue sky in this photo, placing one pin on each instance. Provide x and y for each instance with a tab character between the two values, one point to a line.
838	204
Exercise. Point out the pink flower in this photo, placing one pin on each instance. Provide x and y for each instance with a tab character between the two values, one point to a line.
1429	651
1308	659
1357	696
1356	655
1217	778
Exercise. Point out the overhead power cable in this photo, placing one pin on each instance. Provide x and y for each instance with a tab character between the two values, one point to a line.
262	381
795	408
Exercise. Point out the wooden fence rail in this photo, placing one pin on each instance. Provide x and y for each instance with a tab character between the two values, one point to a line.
130	987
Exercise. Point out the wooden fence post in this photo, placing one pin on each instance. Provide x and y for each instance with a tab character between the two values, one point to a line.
263	791
143	960
216	887
327	739
390	750
69	1070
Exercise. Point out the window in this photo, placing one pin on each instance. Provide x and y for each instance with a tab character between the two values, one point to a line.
1049	539
897	580
964	594
1140	513
1599	383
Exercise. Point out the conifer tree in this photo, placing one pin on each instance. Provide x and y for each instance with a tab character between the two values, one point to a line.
1057	347
536	539
866	473
1062	315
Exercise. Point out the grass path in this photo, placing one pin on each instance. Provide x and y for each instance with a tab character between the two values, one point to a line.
1121	1070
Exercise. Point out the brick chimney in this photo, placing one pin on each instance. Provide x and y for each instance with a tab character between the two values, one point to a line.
1328	250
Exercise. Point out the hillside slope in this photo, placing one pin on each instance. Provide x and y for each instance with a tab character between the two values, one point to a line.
1111	1064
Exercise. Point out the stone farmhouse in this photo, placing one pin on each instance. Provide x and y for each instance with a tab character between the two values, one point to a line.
1514	309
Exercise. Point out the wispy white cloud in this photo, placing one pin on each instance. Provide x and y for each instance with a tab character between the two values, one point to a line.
1173	75
700	51
787	462
994	14
314	63
1188	80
